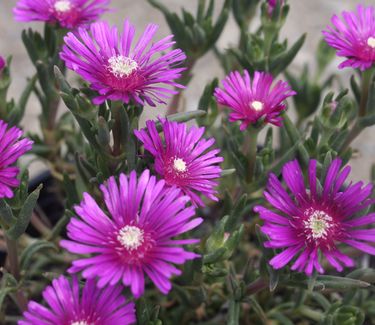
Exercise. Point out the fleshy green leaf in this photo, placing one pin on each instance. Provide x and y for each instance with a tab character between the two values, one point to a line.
31	250
23	219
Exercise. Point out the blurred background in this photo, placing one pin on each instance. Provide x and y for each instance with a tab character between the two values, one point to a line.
305	16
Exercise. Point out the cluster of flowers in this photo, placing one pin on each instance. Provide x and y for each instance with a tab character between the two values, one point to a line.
135	236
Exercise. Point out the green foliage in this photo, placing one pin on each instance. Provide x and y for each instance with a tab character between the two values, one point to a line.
196	35
244	11
22	220
11	111
308	86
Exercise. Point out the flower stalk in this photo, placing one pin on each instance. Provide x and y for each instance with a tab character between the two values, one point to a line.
116	130
15	270
365	84
250	151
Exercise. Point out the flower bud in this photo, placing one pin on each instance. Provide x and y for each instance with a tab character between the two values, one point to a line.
2	64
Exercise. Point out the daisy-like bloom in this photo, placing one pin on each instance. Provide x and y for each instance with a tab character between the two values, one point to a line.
143	73
183	158
307	223
354	37
251	100
66	13
11	148
135	237
66	306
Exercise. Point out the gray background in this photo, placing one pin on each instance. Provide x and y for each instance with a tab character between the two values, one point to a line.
309	16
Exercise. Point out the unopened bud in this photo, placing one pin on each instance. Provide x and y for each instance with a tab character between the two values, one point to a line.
272	4
2	64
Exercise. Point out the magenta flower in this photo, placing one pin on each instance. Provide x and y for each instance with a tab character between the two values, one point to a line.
66	13
119	72
251	100
11	148
68	307
135	237
183	158
313	221
354	37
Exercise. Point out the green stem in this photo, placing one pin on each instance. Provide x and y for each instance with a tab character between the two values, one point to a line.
353	133
234	312
53	103
250	151
301	297
39	225
242	39
269	35
13	257
15	270
365	83
244	29
116	131
56	230
54	100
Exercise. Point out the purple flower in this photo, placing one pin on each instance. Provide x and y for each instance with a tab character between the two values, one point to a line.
67	306
313	221
11	148
251	100
66	13
183	158
135	236
119	72
354	37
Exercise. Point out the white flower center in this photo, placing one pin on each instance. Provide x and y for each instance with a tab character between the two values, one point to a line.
318	223
121	66
257	105
82	322
371	42
179	165
131	237
62	5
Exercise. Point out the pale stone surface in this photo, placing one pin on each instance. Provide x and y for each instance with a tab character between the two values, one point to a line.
305	16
